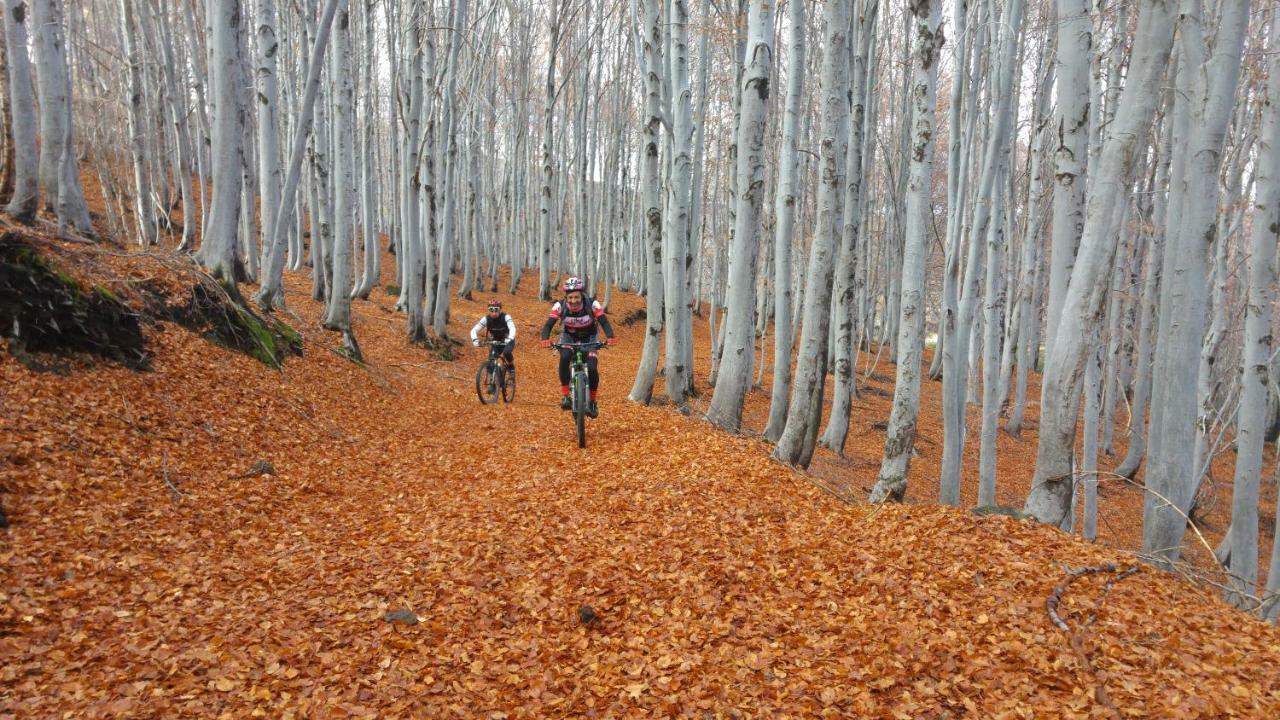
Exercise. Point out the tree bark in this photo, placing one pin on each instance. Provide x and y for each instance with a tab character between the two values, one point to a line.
26	185
271	290
59	169
1210	87
804	411
218	246
1050	498
679	321
734	378
891	484
1256	361
784	211
851	241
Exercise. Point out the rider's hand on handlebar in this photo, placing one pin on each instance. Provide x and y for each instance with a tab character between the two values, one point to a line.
546	343
609	342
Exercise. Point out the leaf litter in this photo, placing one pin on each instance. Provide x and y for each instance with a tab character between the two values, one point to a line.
667	570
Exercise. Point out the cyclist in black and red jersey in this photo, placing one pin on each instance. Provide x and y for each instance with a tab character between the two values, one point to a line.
499	326
582	318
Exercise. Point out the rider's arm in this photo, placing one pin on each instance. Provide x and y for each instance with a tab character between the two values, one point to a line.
603	319
550	324
475	331
511	329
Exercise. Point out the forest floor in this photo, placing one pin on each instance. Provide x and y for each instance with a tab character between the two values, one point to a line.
411	552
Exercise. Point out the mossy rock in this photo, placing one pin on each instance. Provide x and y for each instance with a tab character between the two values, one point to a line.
222	320
45	310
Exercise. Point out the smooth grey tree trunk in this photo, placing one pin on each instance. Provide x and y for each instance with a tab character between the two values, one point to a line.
545	221
891	484
59	169
784	211
1089	445
143	207
851	242
179	107
1029	308
1075	42
955	182
679	321
26	186
1003	104
448	162
1209	88
957	303
369	184
735	369
338	317
1150	299
805	409
1051	491
218	246
271	290
268	99
650	48
1256	360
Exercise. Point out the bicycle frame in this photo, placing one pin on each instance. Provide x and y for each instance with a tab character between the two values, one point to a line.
494	376
579	383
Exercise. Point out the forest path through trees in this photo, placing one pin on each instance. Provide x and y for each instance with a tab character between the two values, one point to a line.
414	553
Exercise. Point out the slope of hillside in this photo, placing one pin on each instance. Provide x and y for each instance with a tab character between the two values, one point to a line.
413	553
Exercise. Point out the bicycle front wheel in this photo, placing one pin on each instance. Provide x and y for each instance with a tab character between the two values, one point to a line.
486	384
580	409
507	381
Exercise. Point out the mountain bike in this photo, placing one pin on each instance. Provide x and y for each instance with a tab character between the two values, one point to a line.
579	392
495	379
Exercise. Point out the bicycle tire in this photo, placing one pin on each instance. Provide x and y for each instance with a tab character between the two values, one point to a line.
507	382
580	409
486	388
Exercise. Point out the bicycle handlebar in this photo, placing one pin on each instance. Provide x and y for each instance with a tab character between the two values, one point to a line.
596	345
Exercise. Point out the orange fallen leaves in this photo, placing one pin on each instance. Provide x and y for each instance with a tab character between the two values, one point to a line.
721	582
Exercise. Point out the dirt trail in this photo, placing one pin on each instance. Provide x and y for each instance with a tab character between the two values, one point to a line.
668	570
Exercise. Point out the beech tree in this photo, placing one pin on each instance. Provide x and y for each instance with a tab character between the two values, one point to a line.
59	171
1050	500
218	246
22	114
1255	370
737	358
891	484
1211	55
784	221
805	410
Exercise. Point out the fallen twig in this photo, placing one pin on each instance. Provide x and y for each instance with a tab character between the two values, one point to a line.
1075	638
177	494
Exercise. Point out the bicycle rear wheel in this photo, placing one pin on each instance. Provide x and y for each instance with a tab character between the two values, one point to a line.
580	408
486	384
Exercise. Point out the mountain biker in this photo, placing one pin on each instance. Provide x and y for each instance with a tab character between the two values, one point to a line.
582	317
498	326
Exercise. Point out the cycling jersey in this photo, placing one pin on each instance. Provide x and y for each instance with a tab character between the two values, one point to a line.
500	328
580	324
